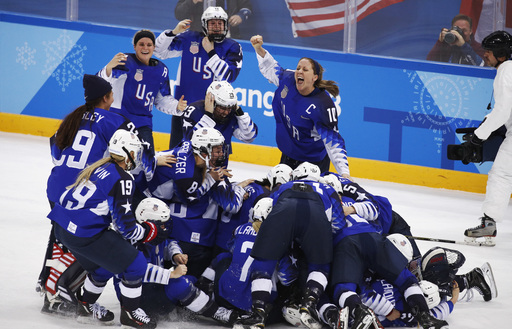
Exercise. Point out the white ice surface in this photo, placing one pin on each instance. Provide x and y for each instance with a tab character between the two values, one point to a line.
25	165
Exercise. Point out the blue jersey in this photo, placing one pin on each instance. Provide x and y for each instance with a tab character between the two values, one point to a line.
184	180
306	126
197	222
377	210
241	127
235	283
382	295
197	69
330	199
229	221
89	145
137	87
104	199
353	224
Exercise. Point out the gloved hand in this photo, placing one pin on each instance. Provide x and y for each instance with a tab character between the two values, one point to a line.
475	140
239	111
154	234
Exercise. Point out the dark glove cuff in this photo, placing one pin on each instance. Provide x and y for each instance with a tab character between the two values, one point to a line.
239	111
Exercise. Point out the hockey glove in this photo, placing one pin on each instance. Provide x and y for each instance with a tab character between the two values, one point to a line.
239	111
155	234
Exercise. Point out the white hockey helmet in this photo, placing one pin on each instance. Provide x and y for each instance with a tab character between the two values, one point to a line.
403	244
279	174
334	181
203	140
123	143
215	13
224	93
152	209
261	209
431	293
306	171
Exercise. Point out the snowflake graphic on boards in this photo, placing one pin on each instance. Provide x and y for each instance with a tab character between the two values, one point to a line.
63	65
25	56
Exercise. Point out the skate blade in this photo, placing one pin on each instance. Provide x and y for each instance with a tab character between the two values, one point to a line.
489	278
309	321
489	241
93	321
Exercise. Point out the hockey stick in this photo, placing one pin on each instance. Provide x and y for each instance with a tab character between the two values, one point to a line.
479	244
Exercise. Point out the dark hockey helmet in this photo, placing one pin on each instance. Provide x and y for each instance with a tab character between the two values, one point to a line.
499	42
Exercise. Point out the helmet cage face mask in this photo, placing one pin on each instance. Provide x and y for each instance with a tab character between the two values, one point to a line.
214	13
203	141
123	143
225	100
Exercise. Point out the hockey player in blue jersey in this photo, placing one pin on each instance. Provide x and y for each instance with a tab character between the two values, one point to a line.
195	188
141	82
164	287
100	197
196	171
375	252
229	276
277	175
376	209
81	139
305	213
205	57
220	110
306	118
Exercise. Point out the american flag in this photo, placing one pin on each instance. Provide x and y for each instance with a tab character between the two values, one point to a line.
317	17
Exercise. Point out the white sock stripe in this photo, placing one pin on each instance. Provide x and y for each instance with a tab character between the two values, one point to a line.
89	286
130	292
413	290
209	273
343	298
261	285
199	302
318	277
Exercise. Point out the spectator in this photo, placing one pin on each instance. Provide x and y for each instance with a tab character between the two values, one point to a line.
205	57
457	45
238	12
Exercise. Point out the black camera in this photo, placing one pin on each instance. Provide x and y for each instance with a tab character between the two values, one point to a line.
469	152
451	38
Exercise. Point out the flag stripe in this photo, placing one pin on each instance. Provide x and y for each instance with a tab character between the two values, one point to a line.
317	17
297	5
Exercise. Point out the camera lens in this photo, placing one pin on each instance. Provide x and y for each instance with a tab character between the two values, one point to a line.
450	38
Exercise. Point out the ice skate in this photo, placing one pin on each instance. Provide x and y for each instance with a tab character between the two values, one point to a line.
55	305
309	315
489	279
291	314
254	320
342	320
365	318
428	321
476	280
94	314
225	316
136	319
487	230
